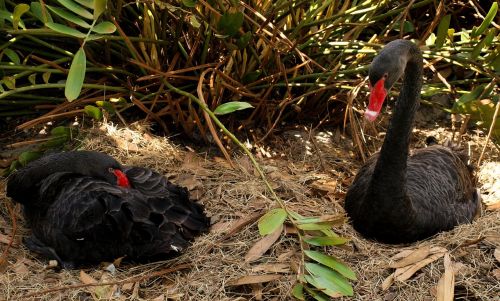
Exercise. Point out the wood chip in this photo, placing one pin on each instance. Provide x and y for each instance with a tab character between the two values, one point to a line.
250	279
20	268
261	246
414	257
388	282
446	284
127	287
496	274
86	278
159	298
403	274
497	254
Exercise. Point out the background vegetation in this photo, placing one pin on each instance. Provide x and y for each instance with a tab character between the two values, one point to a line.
176	63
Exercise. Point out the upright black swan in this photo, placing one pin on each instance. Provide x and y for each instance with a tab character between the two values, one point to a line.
84	207
397	197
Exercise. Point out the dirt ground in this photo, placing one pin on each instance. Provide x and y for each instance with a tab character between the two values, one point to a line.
311	172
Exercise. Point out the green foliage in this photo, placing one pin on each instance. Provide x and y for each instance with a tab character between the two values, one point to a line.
232	106
271	221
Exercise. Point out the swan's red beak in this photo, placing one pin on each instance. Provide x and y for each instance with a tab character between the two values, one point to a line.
377	97
122	179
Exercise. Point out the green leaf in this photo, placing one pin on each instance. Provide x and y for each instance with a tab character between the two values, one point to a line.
323	286
230	107
194	21
408	27
68	16
46	77
105	27
487	20
330	279
77	9
26	157
189	3
298	291
442	31
271	221
106	105
65	29
19	10
99	8
476	51
9	82
230	23
316	226
76	75
243	41
60	131
32	78
250	77
93	112
321	241
55	142
40	14
87	3
12	55
331	262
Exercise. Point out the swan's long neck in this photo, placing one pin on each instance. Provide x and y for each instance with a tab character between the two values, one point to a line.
389	177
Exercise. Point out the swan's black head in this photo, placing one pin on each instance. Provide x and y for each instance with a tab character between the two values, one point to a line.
387	67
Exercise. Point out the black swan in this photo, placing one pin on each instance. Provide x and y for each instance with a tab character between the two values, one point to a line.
402	198
84	207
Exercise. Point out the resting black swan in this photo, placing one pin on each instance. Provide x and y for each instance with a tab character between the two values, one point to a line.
84	207
400	198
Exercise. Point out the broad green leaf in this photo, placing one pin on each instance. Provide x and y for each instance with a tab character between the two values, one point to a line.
9	82
77	9
298	291
65	30
99	8
331	262
40	14
321	241
189	3
230	107
250	77
271	221
330	278
487	20
316	226
194	21
104	27
442	31
408	27
230	23
476	51
26	157
12	55
106	105
243	41
60	131
76	75
56	141
93	112
68	16
490	36
32	78
87	3
46	77
323	287
19	10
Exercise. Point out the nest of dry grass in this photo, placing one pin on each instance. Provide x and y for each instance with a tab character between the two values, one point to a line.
310	172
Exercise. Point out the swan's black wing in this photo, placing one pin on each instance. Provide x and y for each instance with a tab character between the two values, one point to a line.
442	189
89	220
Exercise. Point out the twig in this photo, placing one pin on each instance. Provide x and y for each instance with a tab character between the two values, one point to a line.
133	279
12	213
